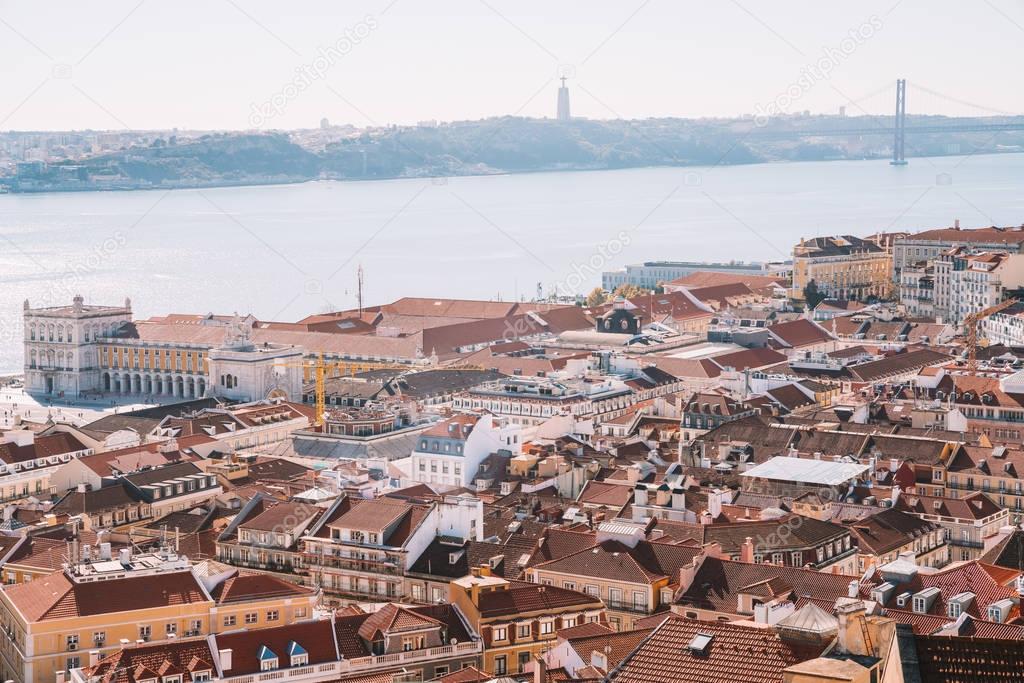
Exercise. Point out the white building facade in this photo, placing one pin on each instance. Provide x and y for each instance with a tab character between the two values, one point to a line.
61	351
450	452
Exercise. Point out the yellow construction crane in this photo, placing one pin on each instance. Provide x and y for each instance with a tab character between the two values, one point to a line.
319	368
971	328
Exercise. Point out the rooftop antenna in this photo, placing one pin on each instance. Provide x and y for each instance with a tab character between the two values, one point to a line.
359	290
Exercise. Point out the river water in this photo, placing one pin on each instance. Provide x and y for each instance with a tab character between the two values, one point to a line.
284	252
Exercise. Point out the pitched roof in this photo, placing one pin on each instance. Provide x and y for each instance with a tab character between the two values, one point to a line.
888	529
394	618
139	662
248	587
646	563
532	598
739	654
944	659
616	646
57	597
718	582
315	637
801	332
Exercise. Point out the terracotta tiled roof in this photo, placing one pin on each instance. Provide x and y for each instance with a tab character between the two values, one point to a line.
248	587
943	659
598	493
41	447
929	623
718	583
313	636
643	564
616	646
888	530
57	597
989	235
708	278
738	654
533	598
797	333
372	515
748	358
585	630
137	663
394	618
988	583
281	517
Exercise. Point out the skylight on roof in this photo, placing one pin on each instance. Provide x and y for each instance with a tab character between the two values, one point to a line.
700	643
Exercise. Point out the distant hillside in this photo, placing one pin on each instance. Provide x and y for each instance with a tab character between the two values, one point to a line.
500	145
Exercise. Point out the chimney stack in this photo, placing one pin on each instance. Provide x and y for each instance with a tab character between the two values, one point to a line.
225	660
747	550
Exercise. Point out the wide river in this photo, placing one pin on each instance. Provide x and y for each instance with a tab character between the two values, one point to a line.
284	252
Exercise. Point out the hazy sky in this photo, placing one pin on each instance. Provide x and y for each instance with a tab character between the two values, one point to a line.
212	63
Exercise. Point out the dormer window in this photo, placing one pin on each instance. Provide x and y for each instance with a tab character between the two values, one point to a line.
172	679
297	655
268	660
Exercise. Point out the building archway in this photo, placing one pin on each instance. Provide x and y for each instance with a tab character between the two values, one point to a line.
202	387
105	381
179	386
190	387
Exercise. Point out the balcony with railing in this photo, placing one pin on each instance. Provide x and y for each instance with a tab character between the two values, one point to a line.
389	567
331	671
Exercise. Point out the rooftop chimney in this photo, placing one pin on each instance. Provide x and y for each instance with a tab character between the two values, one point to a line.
225	659
747	550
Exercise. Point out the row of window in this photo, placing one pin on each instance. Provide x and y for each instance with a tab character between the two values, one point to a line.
444	466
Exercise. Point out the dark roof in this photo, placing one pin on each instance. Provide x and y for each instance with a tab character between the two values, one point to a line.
944	659
139	662
1007	553
57	597
532	598
246	587
436	560
718	583
313	636
888	529
733	653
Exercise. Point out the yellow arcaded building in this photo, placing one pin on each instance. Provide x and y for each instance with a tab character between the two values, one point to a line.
61	621
843	267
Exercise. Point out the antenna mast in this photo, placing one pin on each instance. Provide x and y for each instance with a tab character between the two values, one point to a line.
359	290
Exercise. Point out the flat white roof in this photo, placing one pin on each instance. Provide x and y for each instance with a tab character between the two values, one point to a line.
806	470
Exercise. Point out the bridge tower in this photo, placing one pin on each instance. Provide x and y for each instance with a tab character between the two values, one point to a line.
898	159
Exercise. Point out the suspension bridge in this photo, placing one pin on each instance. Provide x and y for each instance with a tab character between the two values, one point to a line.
895	125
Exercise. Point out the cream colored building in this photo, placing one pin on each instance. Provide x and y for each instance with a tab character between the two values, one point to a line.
842	267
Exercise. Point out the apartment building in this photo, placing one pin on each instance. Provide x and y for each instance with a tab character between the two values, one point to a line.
363	549
394	644
929	244
971	523
266	535
519	623
101	602
635	578
450	452
979	280
842	267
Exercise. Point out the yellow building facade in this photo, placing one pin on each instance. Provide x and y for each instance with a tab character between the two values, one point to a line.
844	267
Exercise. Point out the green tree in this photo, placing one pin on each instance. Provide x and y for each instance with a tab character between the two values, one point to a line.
812	296
628	291
596	297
